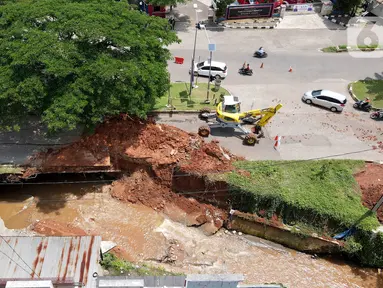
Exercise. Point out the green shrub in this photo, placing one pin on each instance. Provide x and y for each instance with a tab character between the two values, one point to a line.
371	253
117	266
352	247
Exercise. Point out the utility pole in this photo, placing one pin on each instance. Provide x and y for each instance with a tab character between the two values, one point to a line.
208	83
195	42
211	49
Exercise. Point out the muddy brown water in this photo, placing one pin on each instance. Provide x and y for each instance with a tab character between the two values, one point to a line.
134	227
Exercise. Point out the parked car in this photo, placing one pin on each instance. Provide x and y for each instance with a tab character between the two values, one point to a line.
325	98
218	69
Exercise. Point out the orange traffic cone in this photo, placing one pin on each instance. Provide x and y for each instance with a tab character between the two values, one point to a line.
261	65
291	69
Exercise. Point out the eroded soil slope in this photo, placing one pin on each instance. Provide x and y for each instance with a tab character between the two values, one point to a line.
371	183
147	153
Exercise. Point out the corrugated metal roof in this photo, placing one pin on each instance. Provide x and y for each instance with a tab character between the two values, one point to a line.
151	281
60	259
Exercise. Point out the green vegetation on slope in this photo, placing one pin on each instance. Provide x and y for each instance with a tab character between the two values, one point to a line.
321	193
117	266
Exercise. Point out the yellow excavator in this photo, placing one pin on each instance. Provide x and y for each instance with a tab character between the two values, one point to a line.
228	115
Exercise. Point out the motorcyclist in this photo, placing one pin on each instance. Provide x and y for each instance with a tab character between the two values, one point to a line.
261	51
248	68
244	65
366	102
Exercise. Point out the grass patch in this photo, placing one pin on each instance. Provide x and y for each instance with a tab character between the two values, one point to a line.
120	267
323	193
369	88
179	93
331	49
7	169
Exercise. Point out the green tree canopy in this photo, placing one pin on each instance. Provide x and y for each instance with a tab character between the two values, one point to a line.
74	61
166	2
347	6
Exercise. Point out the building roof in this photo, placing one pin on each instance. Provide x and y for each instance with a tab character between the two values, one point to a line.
59	259
215	277
149	281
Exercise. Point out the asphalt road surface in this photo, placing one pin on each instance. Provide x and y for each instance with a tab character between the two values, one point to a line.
307	132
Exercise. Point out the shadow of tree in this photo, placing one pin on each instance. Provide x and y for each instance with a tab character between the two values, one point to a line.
184	97
374	87
48	201
377	76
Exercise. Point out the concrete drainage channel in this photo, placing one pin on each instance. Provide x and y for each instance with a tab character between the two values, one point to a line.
84	177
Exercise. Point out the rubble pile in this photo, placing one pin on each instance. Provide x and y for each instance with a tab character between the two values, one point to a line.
148	153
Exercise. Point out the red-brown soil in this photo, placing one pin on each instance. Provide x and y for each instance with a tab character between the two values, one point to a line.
148	153
122	141
54	228
371	183
141	188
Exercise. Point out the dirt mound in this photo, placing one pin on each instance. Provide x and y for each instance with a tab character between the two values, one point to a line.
140	187
148	153
121	141
54	228
370	181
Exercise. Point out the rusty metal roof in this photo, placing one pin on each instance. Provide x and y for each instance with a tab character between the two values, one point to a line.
59	259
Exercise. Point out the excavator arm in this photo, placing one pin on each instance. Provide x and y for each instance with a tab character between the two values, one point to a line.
264	114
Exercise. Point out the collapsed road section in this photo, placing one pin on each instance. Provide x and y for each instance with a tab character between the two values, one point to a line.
147	154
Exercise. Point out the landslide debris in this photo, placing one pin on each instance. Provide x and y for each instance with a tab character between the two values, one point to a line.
55	228
148	153
370	181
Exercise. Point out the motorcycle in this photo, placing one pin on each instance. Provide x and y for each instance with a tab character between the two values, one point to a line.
377	115
259	55
362	106
245	71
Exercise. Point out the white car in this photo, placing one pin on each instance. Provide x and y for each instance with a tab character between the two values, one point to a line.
218	69
331	100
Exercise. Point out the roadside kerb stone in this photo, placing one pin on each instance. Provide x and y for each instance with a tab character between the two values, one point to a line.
250	25
353	96
339	50
333	19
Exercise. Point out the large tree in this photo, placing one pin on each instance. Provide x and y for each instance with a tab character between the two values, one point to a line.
347	6
74	61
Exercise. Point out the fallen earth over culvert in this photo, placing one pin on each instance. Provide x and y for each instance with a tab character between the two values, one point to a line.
147	154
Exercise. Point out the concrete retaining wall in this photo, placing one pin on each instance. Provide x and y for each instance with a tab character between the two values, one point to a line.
251	224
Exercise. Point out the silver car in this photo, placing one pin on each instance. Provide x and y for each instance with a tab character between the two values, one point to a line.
325	98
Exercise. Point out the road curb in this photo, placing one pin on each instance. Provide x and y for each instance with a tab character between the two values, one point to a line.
174	111
338	50
354	97
333	19
251	27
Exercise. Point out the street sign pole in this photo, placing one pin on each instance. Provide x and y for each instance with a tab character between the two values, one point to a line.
208	83
212	48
